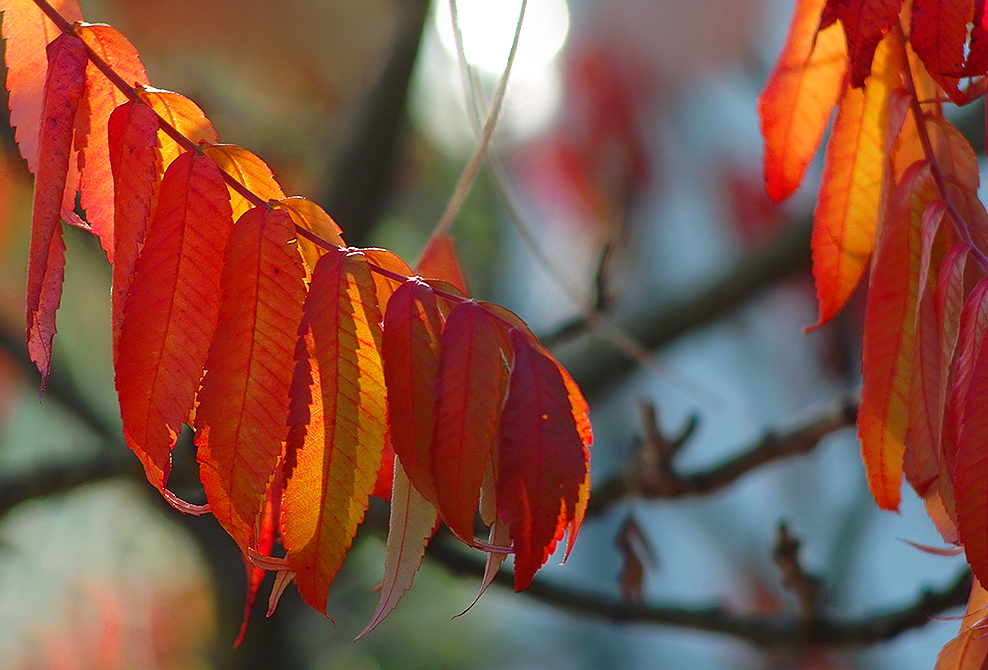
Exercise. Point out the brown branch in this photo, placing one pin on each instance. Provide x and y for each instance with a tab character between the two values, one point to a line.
598	365
766	631
665	482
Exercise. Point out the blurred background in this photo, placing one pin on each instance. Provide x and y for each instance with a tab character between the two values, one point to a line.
625	180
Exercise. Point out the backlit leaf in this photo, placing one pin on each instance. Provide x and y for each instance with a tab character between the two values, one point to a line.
938	34
184	115
851	188
63	91
242	415
337	421
798	97
971	467
171	310
247	169
413	521
468	402
541	463
888	336
969	649
865	23
412	330
96	185
132	139
27	31
310	216
439	261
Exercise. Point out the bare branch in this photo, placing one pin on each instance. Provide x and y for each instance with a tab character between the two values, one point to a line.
664	482
785	630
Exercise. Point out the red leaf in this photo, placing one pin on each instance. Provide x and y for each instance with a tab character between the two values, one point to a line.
939	35
64	88
171	310
541	459
337	421
266	534
798	97
412	523
242	414
410	349
971	467
468	400
888	336
977	57
865	22
27	31
132	139
103	97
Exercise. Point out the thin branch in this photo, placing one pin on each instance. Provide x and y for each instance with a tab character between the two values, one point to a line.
597	365
638	481
772	631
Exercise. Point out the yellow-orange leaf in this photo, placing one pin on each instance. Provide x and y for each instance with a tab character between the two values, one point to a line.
888	336
247	169
438	261
855	166
242	417
337	421
798	97
171	310
184	115
310	216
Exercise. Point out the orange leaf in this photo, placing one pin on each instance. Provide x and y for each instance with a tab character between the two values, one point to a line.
64	88
387	260
103	97
249	170
27	31
541	459
969	649
412	329
412	523
184	115
851	187
337	421
267	530
865	22
468	400
888	336
310	216
438	261
242	415
132	142
800	92
171	310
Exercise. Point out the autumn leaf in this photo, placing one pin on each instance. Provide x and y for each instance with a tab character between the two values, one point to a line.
242	417
184	116
412	329
27	32
468	392
63	91
132	146
310	216
796	102
541	463
852	184
249	170
969	649
938	34
411	525
171	310
337	421
888	337
102	97
438	261
865	23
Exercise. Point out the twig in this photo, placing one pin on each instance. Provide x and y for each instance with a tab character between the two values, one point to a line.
805	586
776	631
598	365
771	447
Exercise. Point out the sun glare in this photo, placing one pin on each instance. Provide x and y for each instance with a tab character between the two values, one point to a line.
488	29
